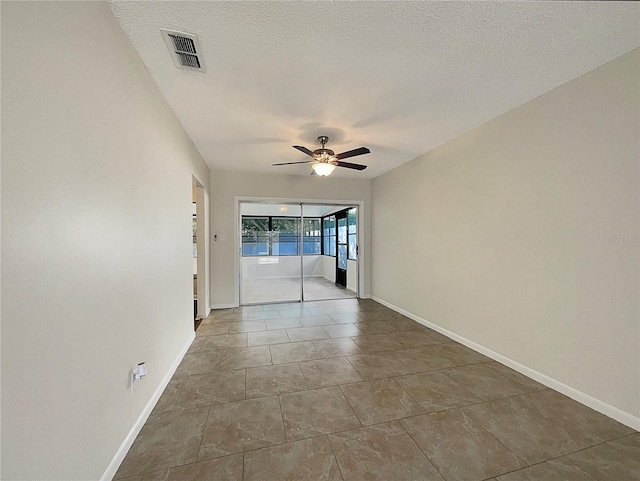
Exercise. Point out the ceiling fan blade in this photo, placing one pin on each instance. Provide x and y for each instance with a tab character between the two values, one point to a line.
303	150
353	153
291	163
349	165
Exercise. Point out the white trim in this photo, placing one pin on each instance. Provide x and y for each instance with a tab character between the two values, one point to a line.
223	306
613	412
111	470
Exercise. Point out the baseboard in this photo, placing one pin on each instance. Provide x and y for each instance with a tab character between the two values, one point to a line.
575	394
223	306
111	470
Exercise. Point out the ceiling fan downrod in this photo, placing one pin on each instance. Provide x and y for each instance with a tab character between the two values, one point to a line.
323	139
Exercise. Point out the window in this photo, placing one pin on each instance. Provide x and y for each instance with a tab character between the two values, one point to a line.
279	236
312	237
353	238
329	235
285	236
255	236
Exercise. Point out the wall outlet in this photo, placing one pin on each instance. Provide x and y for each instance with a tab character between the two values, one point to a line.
137	373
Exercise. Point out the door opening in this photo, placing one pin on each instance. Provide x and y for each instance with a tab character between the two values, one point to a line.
341	249
295	252
194	229
200	258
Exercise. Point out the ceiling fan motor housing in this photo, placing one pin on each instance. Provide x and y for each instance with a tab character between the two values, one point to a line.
323	155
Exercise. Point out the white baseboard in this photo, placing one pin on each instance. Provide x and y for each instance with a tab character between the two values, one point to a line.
111	470
575	394
223	306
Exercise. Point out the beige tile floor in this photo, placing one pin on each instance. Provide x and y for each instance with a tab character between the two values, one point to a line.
350	390
279	290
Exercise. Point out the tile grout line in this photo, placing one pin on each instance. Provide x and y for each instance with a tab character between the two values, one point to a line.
284	429
351	407
334	454
420	448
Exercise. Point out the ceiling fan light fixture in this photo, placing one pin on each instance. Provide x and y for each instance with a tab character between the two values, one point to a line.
323	168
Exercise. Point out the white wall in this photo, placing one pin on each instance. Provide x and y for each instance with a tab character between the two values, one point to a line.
278	267
226	186
329	268
96	238
352	275
502	236
329	271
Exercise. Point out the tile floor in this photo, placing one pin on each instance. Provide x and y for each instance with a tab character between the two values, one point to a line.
350	390
278	290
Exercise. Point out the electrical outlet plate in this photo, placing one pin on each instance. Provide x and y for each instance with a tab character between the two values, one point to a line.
137	373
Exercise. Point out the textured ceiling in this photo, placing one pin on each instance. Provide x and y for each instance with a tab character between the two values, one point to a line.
398	77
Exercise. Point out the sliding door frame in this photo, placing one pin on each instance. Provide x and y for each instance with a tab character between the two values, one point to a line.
237	238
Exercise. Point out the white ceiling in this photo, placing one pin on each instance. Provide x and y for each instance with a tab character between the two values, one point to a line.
398	77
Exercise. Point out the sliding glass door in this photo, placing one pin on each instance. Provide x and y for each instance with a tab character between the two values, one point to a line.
270	254
297	252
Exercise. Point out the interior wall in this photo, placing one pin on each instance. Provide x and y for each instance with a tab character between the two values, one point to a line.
226	186
329	268
280	267
352	275
96	238
523	236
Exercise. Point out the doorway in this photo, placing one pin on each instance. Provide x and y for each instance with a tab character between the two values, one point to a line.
199	261
290	252
341	249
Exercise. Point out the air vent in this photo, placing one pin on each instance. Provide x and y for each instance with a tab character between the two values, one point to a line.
184	49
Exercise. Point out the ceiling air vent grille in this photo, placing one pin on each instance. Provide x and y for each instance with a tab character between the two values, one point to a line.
184	49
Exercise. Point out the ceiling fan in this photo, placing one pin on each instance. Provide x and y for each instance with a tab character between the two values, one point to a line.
325	160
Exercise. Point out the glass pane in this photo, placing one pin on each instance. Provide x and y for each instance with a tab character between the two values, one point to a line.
332	247
255	236
342	256
329	225
342	230
312	226
352	221
311	246
255	224
353	243
312	238
285	236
